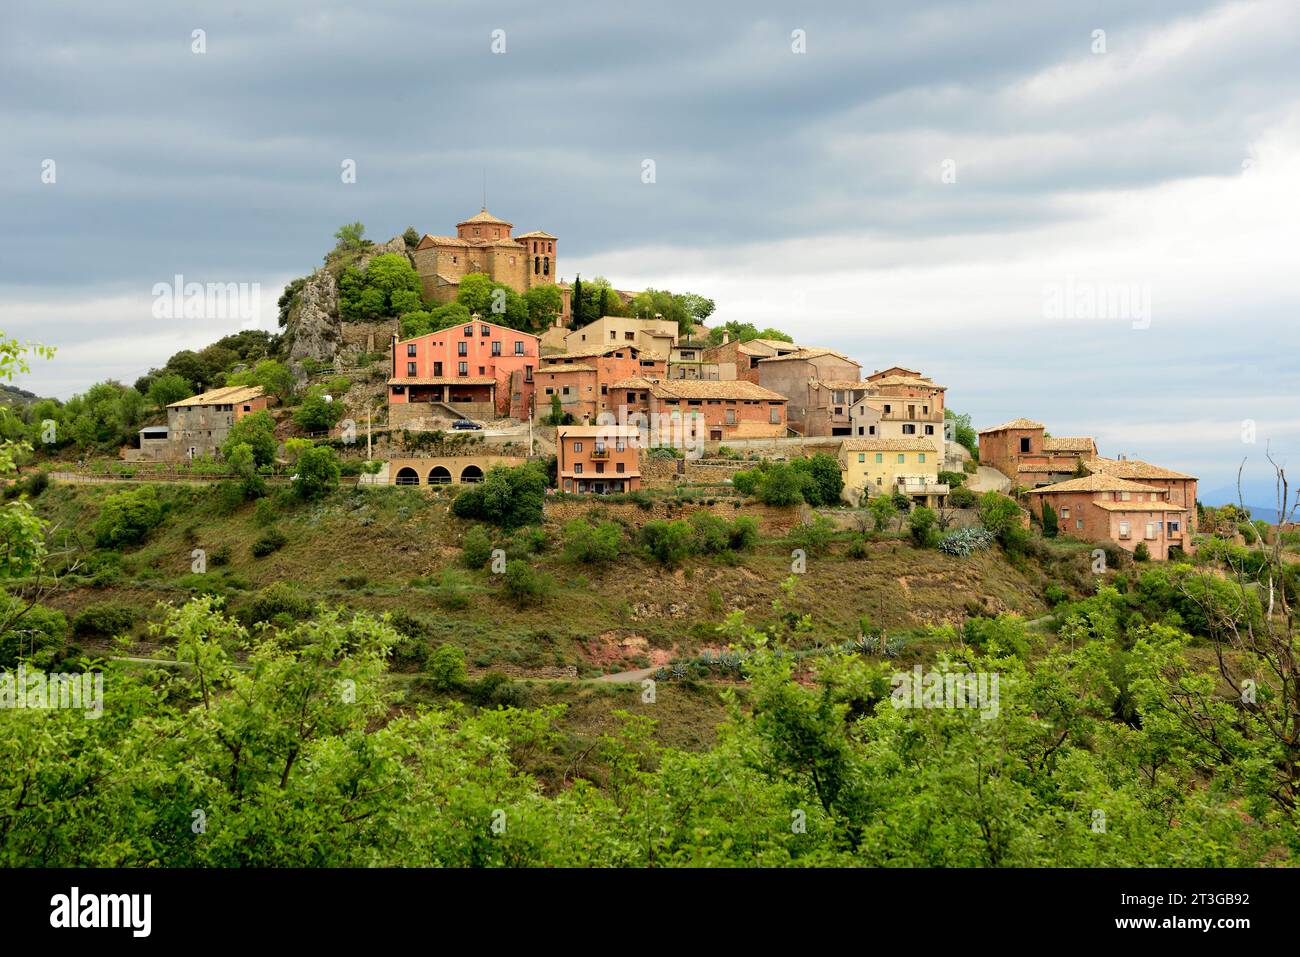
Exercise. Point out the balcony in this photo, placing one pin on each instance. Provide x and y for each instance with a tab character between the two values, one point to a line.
919	485
600	453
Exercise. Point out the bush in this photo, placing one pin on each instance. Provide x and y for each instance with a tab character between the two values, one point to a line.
257	431
106	620
1051	526
744	533
592	544
446	668
508	497
265	512
475	548
451	592
921	525
883	511
525	584
317	473
128	517
962	498
279	603
710	533
858	548
38	636
813	537
272	540
668	542
1141	553
1055	595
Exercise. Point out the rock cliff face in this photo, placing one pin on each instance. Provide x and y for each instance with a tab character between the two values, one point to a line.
313	328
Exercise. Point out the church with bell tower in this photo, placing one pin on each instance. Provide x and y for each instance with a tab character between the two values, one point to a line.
483	244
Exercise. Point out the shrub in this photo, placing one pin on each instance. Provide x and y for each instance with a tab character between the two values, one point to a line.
265	512
451	591
38	636
475	548
128	517
668	542
1141	553
962	498
1005	633
952	479
106	620
508	497
921	526
883	511
858	548
744	533
711	534
272	540
257	431
317	473
279	603
825	481
1055	595
1050	525
592	544
526	585
446	668
813	537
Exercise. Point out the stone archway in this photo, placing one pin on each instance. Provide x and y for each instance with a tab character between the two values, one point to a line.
408	476
471	474
438	475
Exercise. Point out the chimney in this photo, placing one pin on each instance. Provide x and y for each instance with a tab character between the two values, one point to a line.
726	337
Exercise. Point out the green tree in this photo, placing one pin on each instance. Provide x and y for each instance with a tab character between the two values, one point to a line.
921	526
1050	524
127	518
273	377
351	238
825	481
446	668
317	473
257	431
544	305
316	413
668	542
510	497
475	548
167	389
883	511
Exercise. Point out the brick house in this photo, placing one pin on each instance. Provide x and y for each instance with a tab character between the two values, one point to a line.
712	410
197	427
476	370
739	360
879	466
1101	508
583	378
1023	452
1181	486
598	459
795	375
899	403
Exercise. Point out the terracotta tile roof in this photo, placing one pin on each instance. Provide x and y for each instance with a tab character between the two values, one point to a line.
446	380
776	343
800	355
1068	443
634	382
597	431
227	395
918	382
1097	483
1141	507
1132	469
1014	424
896	370
443	240
483	216
535	234
559	367
714	389
474	319
888	445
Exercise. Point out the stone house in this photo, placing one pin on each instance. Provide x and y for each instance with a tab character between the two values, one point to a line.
583	378
1101	507
739	360
796	375
483	244
197	427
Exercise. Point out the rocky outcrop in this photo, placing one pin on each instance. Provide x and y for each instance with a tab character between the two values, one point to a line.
313	326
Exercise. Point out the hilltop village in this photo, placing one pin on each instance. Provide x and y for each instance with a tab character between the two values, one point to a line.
617	396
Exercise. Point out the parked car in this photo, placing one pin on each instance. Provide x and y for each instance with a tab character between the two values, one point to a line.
465	424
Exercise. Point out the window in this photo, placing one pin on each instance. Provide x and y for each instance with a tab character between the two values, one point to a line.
1151	529
604	389
1024	444
618	467
469	330
437	369
837	397
546	265
921	458
577	446
1173	527
880	457
485	331
528	373
410	349
901	458
462	349
909	429
871	430
577	468
886	408
1125	496
862	456
929	430
731	417
1065	511
496	348
1078	523
774	416
519	348
462	368
410	368
1123	529
600	468
537	265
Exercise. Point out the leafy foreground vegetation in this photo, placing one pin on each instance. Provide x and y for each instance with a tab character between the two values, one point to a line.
306	756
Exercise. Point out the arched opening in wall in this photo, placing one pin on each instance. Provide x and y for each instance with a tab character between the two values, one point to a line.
537	265
439	476
408	476
471	474
546	265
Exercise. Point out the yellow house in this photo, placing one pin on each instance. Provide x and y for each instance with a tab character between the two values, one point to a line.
879	466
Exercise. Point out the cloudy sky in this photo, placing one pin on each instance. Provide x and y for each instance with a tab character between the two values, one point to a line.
1085	213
